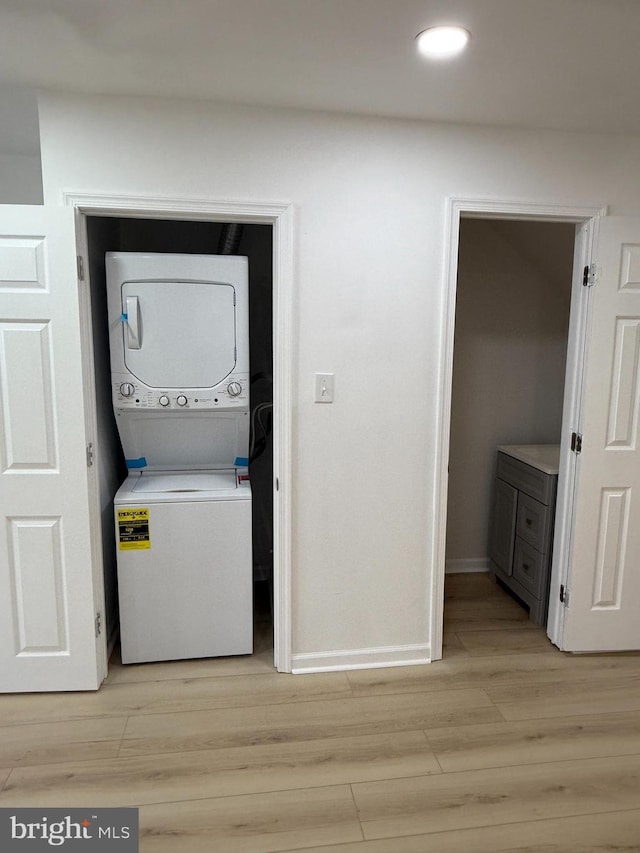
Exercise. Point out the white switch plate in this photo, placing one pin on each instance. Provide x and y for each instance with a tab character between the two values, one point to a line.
324	388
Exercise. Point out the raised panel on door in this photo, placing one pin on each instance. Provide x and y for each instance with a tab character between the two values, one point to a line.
28	436
603	580
39	606
47	611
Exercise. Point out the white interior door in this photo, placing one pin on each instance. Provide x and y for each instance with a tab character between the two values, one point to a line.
603	610
47	612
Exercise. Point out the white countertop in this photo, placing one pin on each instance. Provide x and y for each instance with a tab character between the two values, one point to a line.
545	457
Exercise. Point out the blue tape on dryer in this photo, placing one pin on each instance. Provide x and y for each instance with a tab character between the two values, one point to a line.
140	462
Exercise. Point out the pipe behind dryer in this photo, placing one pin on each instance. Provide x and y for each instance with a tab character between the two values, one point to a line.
230	237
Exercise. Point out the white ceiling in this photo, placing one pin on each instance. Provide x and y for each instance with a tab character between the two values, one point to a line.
558	64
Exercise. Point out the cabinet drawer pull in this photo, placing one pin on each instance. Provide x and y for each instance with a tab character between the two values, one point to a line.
528	522
525	566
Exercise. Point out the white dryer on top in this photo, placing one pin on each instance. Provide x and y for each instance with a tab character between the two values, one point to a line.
179	343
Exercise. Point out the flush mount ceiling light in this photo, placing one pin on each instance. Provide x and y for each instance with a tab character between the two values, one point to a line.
442	42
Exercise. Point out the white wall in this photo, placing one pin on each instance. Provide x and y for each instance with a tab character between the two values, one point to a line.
20	179
369	198
20	172
512	320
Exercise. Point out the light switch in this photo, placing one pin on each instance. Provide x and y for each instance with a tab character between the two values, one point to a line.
324	388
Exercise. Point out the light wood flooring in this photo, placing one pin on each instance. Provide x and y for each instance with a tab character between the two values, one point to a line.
504	745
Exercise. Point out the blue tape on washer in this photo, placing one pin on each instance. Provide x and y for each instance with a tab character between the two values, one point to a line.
241	462
124	317
141	462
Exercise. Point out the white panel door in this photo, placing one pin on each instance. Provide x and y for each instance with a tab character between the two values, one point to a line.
47	628
603	611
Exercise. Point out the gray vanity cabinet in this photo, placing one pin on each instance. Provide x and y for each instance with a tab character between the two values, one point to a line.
521	536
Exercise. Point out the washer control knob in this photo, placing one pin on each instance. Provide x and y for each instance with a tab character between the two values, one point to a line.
181	400
164	400
234	389
127	389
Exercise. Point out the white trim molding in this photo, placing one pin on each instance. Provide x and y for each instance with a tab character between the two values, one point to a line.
455	208
374	658
280	216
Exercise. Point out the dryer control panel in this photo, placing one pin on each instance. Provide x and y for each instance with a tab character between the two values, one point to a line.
130	393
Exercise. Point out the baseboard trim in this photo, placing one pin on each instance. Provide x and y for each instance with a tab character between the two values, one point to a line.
468	564
375	658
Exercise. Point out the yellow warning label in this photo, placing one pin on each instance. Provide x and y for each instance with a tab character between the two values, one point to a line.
133	529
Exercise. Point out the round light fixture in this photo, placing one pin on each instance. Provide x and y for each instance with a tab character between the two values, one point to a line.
441	42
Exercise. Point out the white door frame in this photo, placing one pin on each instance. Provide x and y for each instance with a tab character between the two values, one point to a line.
496	209
280	216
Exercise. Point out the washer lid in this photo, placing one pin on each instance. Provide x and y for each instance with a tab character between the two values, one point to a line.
181	482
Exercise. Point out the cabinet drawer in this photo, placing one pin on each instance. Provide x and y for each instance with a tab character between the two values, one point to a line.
529	567
527	479
533	523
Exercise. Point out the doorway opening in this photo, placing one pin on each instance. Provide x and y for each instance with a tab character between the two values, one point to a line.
509	364
127	234
107	224
511	376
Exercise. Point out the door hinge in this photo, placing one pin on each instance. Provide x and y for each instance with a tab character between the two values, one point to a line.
89	454
98	623
564	595
576	442
80	260
589	275
277	485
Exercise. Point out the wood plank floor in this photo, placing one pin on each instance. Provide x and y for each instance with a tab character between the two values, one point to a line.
504	745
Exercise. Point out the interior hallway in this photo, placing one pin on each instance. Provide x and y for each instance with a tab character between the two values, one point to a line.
505	744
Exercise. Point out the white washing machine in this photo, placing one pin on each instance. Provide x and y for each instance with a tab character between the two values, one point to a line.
184	565
179	345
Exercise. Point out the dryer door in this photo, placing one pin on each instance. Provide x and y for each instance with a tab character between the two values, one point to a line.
179	334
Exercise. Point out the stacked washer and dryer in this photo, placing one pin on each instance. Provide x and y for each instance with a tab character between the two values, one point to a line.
179	341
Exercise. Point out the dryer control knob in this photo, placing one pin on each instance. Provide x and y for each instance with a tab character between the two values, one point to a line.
164	400
181	400
127	389
234	389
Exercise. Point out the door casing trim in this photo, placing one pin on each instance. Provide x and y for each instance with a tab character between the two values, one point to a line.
279	215
483	208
